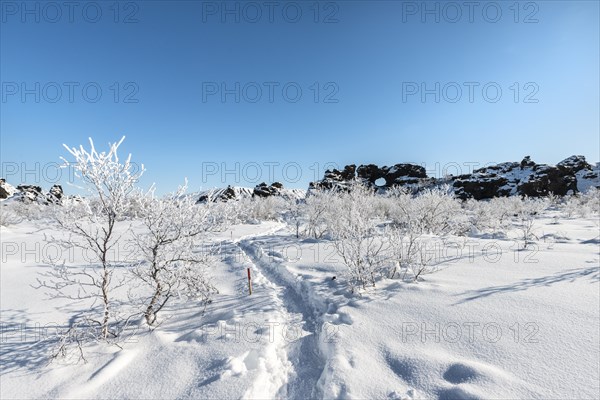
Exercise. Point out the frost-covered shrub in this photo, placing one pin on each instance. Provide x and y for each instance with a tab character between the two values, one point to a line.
431	211
408	245
530	210
591	199
318	211
8	216
354	231
293	214
254	209
269	208
493	215
30	211
479	214
438	210
171	265
582	205
402	244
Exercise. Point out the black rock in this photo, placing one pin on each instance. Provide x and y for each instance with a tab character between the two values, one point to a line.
526	162
396	175
55	194
5	191
223	195
573	164
264	190
480	187
31	194
547	179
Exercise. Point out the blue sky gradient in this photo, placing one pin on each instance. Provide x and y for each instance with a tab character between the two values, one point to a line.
161	67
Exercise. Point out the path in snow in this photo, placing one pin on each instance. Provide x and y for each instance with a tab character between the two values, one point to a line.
303	353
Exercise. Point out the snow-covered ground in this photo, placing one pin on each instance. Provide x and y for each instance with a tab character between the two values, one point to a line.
495	322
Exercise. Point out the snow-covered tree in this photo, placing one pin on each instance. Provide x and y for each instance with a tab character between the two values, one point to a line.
173	265
8	216
354	231
293	214
92	225
410	251
437	211
318	211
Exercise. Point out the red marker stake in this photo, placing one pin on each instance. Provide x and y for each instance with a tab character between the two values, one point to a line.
249	282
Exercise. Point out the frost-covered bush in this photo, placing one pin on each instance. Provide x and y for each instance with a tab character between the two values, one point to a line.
480	215
582	205
268	208
504	213
530	210
30	211
293	214
8	216
431	211
255	209
402	247
408	252
500	213
591	199
493	215
438	211
318	211
171	264
355	235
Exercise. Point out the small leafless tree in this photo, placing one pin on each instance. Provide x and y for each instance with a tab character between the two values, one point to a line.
293	214
317	211
408	249
527	214
172	264
91	225
354	230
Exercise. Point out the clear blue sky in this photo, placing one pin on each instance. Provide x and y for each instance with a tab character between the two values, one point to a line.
368	59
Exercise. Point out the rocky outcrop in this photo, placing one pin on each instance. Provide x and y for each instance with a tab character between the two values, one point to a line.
6	190
588	178
226	194
573	165
261	191
30	194
525	178
546	179
276	189
55	194
335	178
480	186
373	175
399	174
264	190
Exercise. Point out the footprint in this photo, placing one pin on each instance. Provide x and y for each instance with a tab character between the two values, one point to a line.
404	368
346	318
460	373
456	393
398	395
252	360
